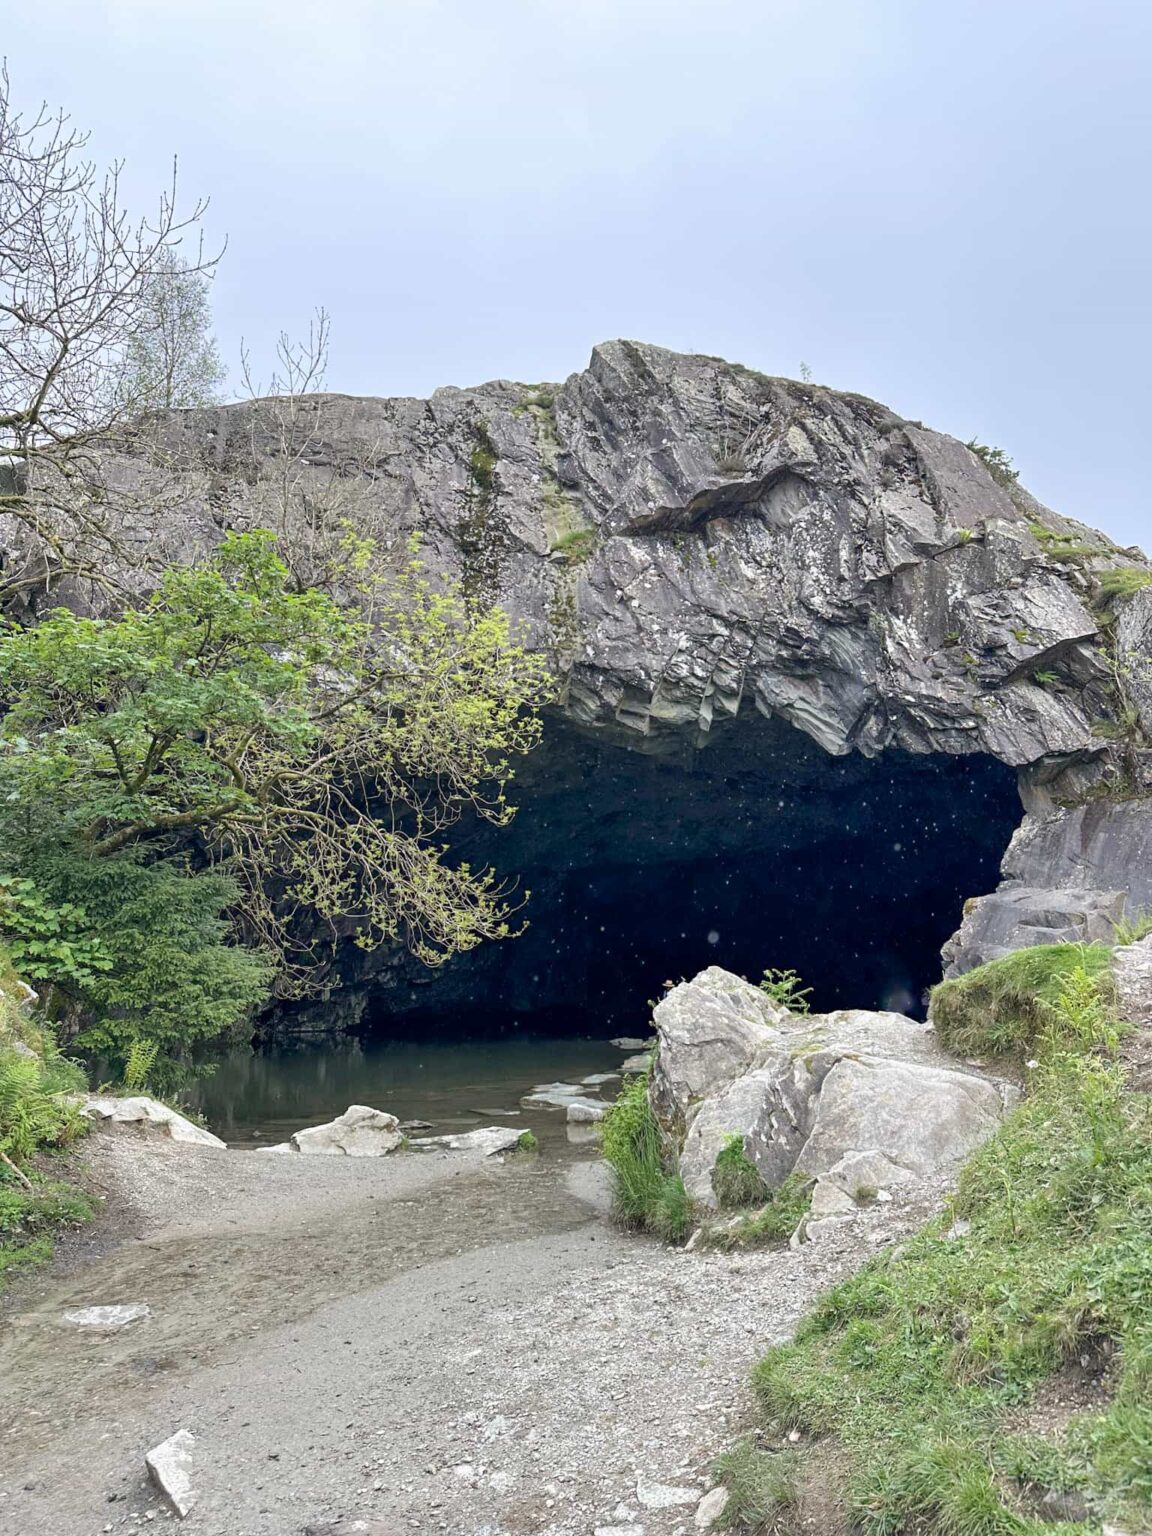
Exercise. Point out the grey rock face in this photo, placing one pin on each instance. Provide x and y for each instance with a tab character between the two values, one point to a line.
170	1468
687	537
688	540
851	1098
1069	875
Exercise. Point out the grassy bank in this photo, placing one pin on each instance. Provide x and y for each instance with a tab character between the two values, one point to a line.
993	1376
37	1121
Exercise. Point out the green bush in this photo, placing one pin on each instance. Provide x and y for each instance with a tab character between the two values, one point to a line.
173	977
1122	582
1009	1004
735	1180
646	1195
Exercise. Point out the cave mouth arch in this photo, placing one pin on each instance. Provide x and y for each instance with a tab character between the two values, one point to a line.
759	849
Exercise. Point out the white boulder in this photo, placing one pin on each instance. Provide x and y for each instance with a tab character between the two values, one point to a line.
487	1139
359	1132
108	1319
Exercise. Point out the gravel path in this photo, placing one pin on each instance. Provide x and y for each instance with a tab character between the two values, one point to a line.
432	1342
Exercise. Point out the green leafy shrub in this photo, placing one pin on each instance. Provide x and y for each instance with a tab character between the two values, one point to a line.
786	988
1005	1006
173	977
646	1195
1130	930
996	462
48	941
527	1142
736	1180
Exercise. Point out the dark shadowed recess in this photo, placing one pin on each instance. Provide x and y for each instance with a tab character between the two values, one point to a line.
758	850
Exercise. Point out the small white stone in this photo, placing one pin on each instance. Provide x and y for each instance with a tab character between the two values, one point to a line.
170	1468
663	1495
710	1508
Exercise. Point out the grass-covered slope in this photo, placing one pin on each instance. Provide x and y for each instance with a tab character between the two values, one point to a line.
936	1381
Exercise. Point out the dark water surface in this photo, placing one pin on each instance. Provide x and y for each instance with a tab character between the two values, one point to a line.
269	1093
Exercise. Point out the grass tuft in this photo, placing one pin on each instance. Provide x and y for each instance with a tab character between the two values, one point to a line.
735	1180
762	1487
647	1195
774	1222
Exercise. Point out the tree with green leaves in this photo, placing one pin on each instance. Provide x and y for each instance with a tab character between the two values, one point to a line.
171	359
315	752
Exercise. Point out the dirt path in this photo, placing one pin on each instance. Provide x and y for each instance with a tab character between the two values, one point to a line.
435	1342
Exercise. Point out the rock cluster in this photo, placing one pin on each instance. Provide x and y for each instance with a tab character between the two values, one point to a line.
859	1102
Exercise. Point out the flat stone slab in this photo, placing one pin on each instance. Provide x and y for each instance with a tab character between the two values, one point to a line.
108	1319
595	1079
138	1109
586	1112
170	1468
488	1139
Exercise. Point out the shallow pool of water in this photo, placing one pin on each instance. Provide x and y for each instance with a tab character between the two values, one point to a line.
269	1093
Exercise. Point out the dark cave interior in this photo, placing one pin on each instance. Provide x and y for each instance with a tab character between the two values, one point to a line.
758	850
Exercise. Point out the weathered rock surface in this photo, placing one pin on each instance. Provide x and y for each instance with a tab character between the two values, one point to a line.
359	1132
854	1099
1069	874
170	1468
688	541
140	1110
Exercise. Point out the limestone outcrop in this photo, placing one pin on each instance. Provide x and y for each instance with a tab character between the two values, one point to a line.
690	541
854	1099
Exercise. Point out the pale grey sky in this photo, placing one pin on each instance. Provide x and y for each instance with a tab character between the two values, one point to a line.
941	203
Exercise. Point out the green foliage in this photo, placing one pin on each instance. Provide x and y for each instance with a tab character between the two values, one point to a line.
47	941
762	1486
735	1180
173	977
527	1142
1046	679
1130	930
1010	1004
1122	582
294	737
785	988
28	1217
775	1222
576	546
919	1363
139	1064
996	462
647	1197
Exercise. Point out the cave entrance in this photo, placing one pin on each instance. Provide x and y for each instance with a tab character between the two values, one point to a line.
758	850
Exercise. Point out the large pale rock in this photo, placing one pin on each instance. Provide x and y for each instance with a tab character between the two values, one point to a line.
922	1118
710	1030
1134	653
359	1132
170	1468
854	1097
140	1110
769	1108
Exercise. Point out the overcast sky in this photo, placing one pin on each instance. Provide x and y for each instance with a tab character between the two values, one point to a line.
941	203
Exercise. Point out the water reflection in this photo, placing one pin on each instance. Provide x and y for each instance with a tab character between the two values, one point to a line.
269	1093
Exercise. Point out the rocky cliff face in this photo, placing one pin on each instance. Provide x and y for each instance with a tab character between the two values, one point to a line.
691	542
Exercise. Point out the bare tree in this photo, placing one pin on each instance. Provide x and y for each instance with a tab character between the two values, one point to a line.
322	503
75	273
172	359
